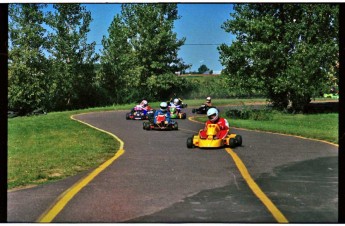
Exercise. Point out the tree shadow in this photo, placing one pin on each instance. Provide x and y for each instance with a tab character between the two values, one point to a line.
322	107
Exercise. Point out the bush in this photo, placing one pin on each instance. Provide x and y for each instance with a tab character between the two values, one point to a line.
252	114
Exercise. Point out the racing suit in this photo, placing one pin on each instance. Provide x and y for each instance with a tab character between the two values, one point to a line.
160	112
223	125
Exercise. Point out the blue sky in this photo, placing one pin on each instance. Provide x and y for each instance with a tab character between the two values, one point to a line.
199	23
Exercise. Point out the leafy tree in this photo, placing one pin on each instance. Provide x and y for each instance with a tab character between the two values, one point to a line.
141	44
72	58
286	51
202	69
119	76
28	66
163	86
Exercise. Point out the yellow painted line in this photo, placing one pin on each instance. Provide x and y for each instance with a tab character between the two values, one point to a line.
49	215
256	189
280	218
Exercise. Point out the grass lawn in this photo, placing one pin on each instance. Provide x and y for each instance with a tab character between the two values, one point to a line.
49	147
316	126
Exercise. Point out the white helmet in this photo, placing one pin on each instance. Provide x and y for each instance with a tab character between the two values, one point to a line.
163	106
144	103
176	101
212	114
208	99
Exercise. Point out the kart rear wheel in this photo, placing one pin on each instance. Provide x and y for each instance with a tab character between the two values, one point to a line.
190	142
127	116
184	116
239	140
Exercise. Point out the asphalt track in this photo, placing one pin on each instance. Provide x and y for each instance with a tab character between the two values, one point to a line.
157	179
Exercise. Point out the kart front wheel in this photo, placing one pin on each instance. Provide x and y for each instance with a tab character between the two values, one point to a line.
175	126
239	140
127	116
190	142
146	125
232	142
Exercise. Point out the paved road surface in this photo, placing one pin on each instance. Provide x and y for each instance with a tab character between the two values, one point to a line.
158	179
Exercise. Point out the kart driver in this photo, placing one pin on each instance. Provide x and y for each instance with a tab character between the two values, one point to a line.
144	105
176	104
208	102
162	111
174	98
213	118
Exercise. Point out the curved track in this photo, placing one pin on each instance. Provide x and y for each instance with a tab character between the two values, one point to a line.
158	179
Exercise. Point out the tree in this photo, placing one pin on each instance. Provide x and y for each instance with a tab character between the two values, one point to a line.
141	44
119	74
202	69
285	51
72	58
28	66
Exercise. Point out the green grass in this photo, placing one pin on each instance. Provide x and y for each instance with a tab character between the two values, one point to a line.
50	147
316	126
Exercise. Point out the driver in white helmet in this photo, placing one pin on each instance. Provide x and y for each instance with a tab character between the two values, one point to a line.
176	104
208	102
144	105
213	118
162	111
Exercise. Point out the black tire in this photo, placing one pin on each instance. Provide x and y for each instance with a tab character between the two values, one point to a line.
232	142
175	126
184	116
239	140
150	117
146	125
127	116
190	142
193	111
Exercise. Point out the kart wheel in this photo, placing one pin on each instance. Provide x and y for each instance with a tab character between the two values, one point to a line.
190	142
193	111
175	126
150	118
127	116
239	140
184	116
146	126
232	142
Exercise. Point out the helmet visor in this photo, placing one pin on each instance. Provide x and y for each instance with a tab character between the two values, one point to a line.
213	116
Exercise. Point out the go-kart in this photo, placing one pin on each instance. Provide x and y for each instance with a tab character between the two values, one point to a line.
202	109
176	113
183	105
214	138
139	114
161	124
